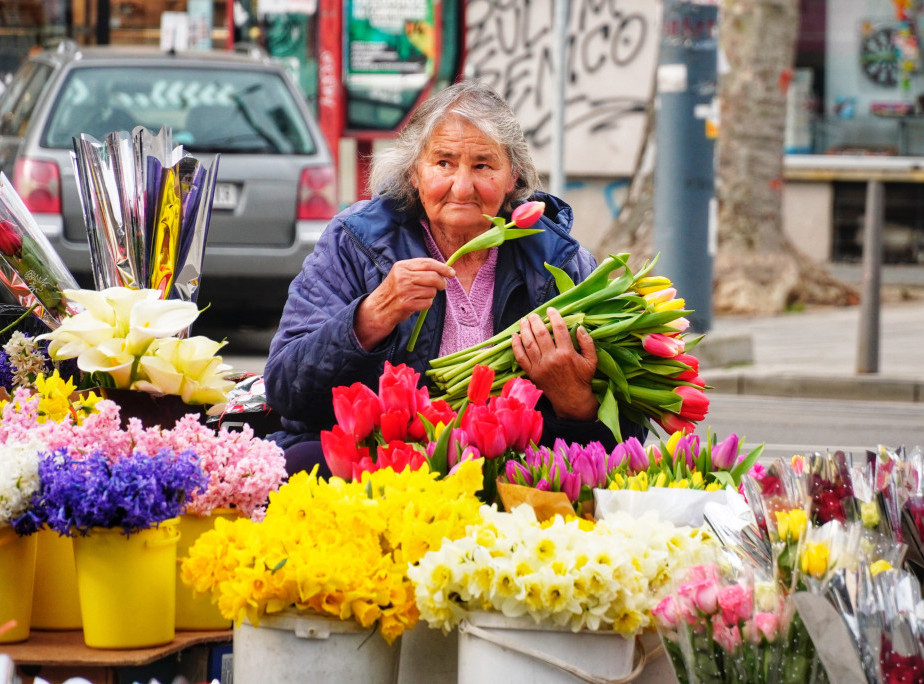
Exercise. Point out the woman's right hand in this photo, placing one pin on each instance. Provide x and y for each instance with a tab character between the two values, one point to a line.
409	287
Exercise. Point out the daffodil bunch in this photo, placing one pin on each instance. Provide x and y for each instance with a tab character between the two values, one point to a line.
130	339
335	548
574	573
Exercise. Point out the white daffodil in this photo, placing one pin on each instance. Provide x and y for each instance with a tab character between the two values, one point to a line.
110	357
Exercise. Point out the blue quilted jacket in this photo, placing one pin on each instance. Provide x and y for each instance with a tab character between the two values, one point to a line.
315	348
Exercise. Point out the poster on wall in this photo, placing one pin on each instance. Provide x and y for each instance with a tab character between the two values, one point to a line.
389	58
611	58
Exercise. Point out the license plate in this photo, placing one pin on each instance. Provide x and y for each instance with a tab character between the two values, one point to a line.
225	196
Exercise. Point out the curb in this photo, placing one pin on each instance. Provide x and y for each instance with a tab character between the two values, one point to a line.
855	388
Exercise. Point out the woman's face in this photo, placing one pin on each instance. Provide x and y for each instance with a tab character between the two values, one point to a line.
461	175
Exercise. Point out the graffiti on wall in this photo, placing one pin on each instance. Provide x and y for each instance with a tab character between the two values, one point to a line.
611	55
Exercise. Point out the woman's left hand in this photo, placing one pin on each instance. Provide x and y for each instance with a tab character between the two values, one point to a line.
556	367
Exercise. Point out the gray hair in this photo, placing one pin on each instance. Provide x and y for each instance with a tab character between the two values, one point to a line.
393	167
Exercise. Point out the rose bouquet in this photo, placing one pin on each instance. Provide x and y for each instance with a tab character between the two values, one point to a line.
128	339
569	573
715	630
342	549
638	327
30	268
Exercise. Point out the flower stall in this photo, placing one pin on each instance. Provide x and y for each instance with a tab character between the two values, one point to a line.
449	544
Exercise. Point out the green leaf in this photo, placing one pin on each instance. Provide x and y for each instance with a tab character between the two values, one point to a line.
724	478
746	464
562	280
608	367
276	568
608	413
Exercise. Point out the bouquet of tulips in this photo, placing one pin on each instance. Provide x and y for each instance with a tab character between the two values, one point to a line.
638	327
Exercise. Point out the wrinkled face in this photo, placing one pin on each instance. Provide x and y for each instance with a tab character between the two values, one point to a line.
461	175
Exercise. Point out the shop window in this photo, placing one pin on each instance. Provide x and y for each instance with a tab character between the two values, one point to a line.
903	223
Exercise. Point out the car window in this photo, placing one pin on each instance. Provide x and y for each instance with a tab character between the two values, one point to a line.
208	109
19	100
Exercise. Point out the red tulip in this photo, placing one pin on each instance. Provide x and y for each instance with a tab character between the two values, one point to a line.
400	456
10	242
358	409
692	362
672	423
522	424
435	412
341	452
695	403
527	214
479	388
398	389
662	345
395	423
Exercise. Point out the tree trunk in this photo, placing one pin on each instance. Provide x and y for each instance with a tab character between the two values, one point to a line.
756	268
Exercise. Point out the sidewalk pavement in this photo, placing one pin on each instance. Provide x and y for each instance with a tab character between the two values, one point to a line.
813	354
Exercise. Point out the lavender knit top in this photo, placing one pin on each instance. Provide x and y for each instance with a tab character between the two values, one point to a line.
469	315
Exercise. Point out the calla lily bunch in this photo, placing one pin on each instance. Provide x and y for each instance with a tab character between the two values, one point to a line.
130	339
502	230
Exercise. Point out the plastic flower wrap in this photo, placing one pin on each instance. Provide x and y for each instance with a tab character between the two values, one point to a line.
147	207
715	629
30	268
128	339
335	548
574	573
638	327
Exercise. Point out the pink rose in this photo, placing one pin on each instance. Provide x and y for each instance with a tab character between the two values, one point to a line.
763	626
702	595
728	637
735	602
667	613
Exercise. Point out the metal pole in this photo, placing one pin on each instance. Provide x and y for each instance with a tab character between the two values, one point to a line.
684	176
559	53
868	337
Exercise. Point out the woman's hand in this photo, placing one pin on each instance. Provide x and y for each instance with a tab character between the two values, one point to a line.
409	287
556	367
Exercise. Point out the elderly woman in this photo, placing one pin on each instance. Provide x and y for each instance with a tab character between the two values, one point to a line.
461	156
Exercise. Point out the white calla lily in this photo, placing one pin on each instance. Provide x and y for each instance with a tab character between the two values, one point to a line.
162	376
95	303
109	357
83	327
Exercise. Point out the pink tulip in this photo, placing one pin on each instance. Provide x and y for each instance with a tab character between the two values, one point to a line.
517	473
695	403
357	409
662	345
679	324
485	431
571	486
660	296
523	390
527	214
638	457
522	424
543	485
725	453
479	388
687	447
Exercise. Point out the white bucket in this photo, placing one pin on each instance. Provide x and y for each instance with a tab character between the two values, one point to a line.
495	648
293	647
428	656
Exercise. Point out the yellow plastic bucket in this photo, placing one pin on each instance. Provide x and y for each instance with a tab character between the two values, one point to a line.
197	612
17	572
54	600
127	586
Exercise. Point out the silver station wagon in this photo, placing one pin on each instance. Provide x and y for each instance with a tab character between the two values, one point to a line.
276	185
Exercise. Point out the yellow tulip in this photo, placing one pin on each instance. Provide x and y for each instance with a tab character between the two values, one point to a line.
879	566
650	284
661	480
869	513
672	442
790	525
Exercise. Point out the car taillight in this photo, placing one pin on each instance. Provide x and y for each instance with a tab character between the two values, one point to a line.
39	185
317	193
